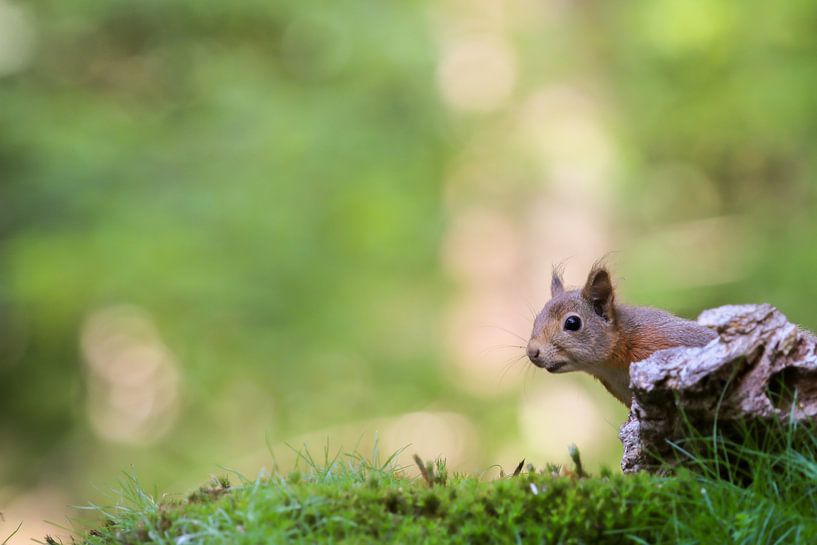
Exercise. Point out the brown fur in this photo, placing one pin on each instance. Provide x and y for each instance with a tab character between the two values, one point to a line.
611	337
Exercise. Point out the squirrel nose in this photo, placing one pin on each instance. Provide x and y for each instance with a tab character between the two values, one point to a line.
533	352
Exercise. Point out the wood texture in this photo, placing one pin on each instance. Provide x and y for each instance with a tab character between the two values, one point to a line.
760	367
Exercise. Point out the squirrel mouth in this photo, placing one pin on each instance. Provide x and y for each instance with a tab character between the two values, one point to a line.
549	365
555	367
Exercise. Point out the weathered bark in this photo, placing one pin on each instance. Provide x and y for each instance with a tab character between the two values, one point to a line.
757	367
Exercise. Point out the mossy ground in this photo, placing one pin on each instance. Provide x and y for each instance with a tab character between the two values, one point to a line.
740	494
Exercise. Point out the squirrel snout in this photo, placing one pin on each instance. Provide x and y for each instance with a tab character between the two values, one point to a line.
534	352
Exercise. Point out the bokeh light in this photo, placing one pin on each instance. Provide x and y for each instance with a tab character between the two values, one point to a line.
16	38
133	381
477	73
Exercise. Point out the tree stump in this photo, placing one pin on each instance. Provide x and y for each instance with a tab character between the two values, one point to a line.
760	368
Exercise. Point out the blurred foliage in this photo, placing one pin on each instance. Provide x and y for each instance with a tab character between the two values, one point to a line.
262	177
722	94
266	180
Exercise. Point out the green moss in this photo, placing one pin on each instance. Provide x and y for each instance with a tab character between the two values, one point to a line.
771	499
354	505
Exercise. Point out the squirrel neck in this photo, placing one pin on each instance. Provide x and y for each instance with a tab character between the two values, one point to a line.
640	331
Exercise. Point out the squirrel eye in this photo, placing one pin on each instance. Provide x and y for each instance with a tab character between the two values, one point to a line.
573	323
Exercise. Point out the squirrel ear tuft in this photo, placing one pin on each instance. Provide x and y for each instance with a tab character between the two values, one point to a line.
598	291
557	287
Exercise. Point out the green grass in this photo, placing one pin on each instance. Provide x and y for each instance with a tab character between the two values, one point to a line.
753	490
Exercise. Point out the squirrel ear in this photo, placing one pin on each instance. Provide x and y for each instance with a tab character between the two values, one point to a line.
556	285
598	291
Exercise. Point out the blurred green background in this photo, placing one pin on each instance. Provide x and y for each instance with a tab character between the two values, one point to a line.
226	225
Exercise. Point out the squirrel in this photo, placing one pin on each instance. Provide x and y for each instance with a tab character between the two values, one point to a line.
587	330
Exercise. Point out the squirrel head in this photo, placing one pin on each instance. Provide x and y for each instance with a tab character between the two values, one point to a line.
576	330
